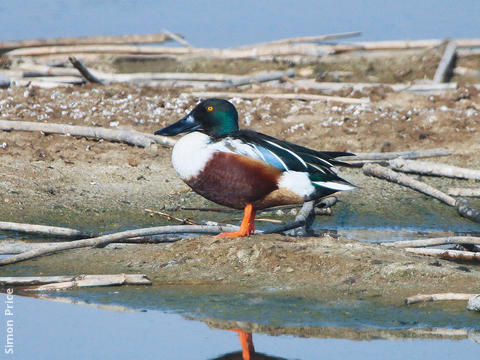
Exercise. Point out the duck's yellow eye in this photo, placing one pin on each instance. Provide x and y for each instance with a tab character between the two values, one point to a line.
210	108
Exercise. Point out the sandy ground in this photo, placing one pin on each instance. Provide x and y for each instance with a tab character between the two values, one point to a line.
98	185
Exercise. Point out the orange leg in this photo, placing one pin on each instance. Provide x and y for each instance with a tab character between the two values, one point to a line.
248	224
246	342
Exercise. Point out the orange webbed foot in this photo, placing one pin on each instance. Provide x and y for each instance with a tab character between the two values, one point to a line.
247	227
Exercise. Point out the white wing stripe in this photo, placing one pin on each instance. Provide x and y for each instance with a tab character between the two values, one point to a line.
334	185
291	152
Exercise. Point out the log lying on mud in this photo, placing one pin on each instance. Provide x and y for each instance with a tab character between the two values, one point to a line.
446	254
44	230
434	241
64	282
415	154
76	281
110	238
419	298
289	96
464	192
462	205
126	136
402	179
435	169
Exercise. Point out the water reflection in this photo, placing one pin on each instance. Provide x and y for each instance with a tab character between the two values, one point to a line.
90	328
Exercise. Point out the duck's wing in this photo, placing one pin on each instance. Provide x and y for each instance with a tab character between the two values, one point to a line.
282	154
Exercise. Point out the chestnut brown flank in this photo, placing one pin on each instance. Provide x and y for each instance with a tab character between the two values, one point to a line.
235	180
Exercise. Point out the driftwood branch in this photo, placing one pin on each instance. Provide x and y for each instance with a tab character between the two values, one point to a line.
402	179
437	297
446	63
84	71
315	38
462	205
208	94
464	209
436	169
464	192
264	77
280	50
414	88
107	239
434	241
446	254
126	136
176	37
87	40
415	154
44	230
463	71
62	282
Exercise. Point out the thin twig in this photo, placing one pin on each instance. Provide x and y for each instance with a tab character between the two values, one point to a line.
170	217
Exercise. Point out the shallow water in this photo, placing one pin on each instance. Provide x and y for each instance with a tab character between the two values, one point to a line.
51	330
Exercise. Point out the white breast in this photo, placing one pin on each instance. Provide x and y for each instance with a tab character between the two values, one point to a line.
190	154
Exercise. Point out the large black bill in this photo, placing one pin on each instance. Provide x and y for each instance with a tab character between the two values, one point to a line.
187	124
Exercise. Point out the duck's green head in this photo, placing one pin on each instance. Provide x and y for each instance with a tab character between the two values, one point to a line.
215	117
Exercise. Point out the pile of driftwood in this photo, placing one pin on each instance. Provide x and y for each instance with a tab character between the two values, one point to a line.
394	171
32	71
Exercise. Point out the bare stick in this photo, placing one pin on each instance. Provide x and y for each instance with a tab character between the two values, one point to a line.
177	38
464	192
95	280
82	280
208	94
402	179
464	209
446	254
415	154
306	49
335	86
84	71
436	169
463	71
87	40
437	297
107	239
315	38
400	44
264	77
434	241
446	63
126	136
44	230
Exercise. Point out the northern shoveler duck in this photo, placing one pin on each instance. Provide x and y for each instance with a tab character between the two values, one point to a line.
244	169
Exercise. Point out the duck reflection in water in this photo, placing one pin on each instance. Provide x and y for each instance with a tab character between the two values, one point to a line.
248	350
